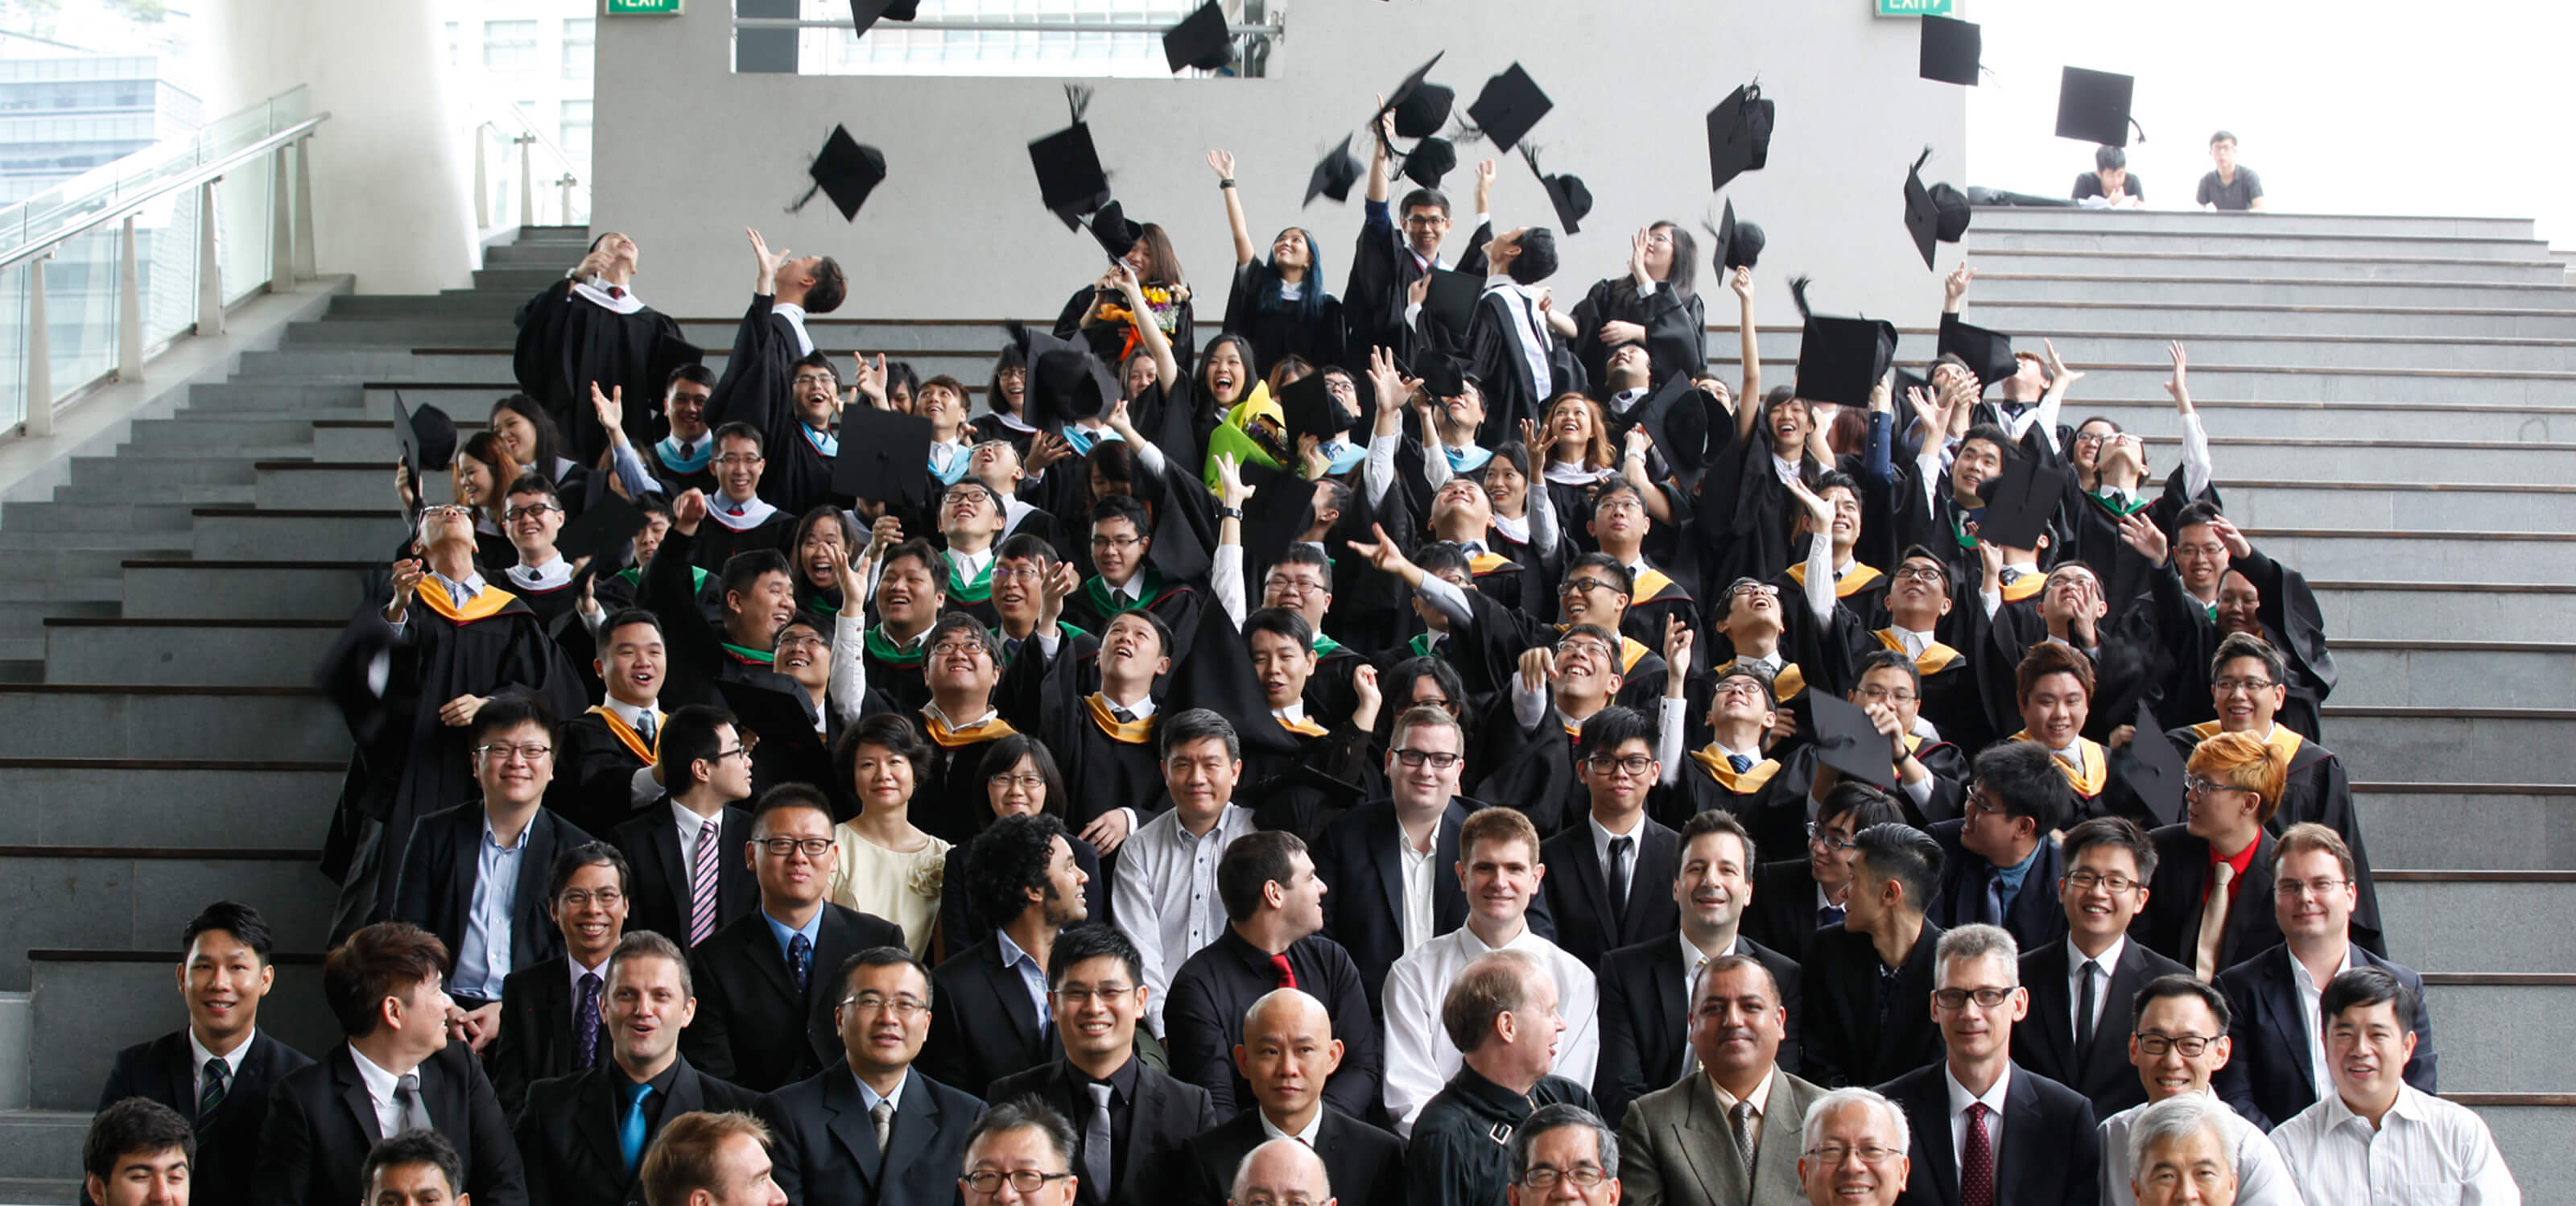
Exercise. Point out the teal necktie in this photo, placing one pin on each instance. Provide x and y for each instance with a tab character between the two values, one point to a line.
630	1129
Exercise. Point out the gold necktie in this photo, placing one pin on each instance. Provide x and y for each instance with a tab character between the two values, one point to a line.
2213	922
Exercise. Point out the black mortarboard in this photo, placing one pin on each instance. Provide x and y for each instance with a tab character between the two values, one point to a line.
1922	218
2020	503
1451	298
847	170
1311	410
1739	244
1440	374
1281	506
2159	771
885	456
1567	193
1988	354
1739	135
428	437
1429	160
1114	232
1201	40
1952	206
1334	175
1070	177
867	12
1509	107
1420	108
607	522
1066	381
1848	742
1841	359
2093	106
1951	48
1676	419
777	711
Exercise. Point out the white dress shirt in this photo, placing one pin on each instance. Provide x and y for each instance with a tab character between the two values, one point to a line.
232	1060
1420	869
1960	1100
1601	837
2427	1151
1420	1059
795	316
2310	994
380	1093
1692	961
1270	1130
690	826
1165	894
2075	964
2261	1177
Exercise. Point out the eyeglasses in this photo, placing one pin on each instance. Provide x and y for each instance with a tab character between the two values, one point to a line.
446	510
740	751
1633	764
1427	220
1916	573
1836	1153
904	1008
781	847
1019	573
1030	781
1294	586
1576	586
802	640
1025	1180
2086	881
1818	835
2230	686
1883	695
1741	686
734	459
578	898
805	379
1080	998
1589	648
2292	889
530	509
1116	542
1958	998
502	751
1545	1176
2191	1045
1436	760
2196	786
2090	437
954	648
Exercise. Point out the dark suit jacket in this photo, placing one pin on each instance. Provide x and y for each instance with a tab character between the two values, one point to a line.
753	1027
1356	858
2035	918
1203	1019
657	892
436	890
2049	1153
2267	1078
1579	894
321	1124
1167	1113
1365	1165
536	1040
567	1135
827	1145
982	1024
1645	1011
2044	1041
164	1070
1844	1042
1783	913
2170	924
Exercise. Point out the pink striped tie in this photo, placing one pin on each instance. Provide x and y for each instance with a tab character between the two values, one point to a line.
702	886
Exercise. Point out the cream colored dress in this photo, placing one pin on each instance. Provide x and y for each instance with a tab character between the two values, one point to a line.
900	887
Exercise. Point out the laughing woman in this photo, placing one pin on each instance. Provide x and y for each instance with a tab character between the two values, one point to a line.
1098	312
1278	303
1654	304
887	866
825	536
1575	449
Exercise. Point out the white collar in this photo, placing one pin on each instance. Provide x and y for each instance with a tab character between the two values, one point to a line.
1142	709
1771	661
1692	957
555	573
795	316
1602	837
1915	642
1517	529
2299	971
1294	713
1785	468
471	586
754	512
932	707
691	821
868	1098
1012	421
232	1060
380	1082
1573	475
628	712
573	968
625	303
1314	1127
1621	401
1961	1098
2109	959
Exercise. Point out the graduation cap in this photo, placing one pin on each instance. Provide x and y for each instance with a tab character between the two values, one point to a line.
1281	506
1739	135
884	454
428	436
1847	741
2159	773
1429	160
1939	213
1066	381
1420	108
1841	359
847	170
1451	298
1951	48
1988	354
1334	175
1567	193
1440	373
1114	232
1308	408
606	524
1676	419
2093	106
1070	178
1509	107
866	13
2020	502
1739	244
783	720
1201	40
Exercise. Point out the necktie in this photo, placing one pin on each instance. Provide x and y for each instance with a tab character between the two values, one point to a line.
1977	1166
1124	716
702	885
2084	1002
883	1113
1742	1118
2213	923
800	960
1991	909
1095	1143
1829	915
413	1112
630	1127
1619	848
2010	576
1741	762
615	292
586	1024
1287	974
644	726
218	1078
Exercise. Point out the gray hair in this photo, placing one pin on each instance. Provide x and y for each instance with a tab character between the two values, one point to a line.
1557	1117
1023	1113
2176	1117
1979	942
1305	1155
1813	1131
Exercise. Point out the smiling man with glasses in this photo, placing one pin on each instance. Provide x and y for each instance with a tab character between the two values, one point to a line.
2081	986
2180	1042
551	1012
532	517
1613	869
872	1128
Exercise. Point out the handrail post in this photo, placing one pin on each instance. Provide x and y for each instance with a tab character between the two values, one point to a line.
40	352
482	180
210	265
304	270
281	227
129	307
527	183
566	182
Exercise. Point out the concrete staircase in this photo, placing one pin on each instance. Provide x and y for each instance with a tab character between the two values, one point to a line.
2392	403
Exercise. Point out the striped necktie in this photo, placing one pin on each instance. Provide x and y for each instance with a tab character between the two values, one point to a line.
702	885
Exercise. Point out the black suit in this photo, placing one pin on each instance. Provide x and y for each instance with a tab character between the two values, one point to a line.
165	1070
2035	917
436	891
1578	891
2267	1079
1846	1043
753	1027
1645	1012
983	1026
1363	1165
1783	913
322	1122
827	1143
2044	1041
2170	924
658	894
2048	1153
1164	1117
537	1040
567	1135
1203	1018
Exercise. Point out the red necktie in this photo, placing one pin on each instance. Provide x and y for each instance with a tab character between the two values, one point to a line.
1287	974
1977	1165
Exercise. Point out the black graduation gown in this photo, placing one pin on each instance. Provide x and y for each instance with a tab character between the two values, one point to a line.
1753	541
1706	782
1108	340
1495	338
895	673
1378	290
596	757
1280	330
949	800
675	480
2296	626
1108	764
1528	769
1177	603
1676	327
2316	789
1951	697
759	376
567	341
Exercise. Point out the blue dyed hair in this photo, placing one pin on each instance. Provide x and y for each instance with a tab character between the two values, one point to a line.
1309	305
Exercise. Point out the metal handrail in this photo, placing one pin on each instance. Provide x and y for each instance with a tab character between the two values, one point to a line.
992	25
528	126
118	209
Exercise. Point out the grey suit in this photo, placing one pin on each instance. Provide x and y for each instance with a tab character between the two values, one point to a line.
1677	1147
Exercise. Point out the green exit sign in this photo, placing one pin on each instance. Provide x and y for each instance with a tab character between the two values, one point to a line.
1890	8
671	8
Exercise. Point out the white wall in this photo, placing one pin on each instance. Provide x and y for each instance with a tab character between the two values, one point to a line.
687	153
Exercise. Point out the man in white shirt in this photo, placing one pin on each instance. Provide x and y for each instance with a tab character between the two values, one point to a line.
2180	1042
2378	1140
1498	865
1164	896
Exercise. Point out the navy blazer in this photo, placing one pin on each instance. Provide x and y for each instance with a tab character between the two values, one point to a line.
2051	1155
2267	1079
2036	918
440	866
567	1135
657	891
1578	891
827	1144
165	1070
2044	1041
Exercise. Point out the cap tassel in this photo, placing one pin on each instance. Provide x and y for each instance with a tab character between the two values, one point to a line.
1077	97
1798	293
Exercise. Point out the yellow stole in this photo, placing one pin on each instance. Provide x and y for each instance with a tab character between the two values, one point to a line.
1935	658
2028	585
1852	583
1784	686
1485	563
991	730
1648	585
1306	728
2281	739
2086	782
1132	732
627	737
1718	768
481	607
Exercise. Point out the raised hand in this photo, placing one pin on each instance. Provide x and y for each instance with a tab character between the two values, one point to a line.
403	487
610	407
1230	488
1312	464
2059	376
1044	450
1637	258
1538	668
1820	513
1955	289
884	534
688	511
1678	639
1615	332
2140	533
1222	162
2176	385
1742	284
1388	380
2238	547
1382	554
870	381
407	576
767	261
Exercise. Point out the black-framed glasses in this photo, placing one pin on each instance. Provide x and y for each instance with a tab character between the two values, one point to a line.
502	751
1027	780
2087	880
581	898
535	508
904	1008
1025	1180
1116	542
1435	759
2230	686
1958	998
1818	835
1632	764
1079	997
1576	586
1545	1176
2159	1045
1885	696
781	847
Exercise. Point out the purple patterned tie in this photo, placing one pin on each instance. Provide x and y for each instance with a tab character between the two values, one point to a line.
702	886
586	1024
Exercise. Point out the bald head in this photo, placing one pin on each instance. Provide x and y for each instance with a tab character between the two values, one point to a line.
1288	1052
1287	1010
1280	1172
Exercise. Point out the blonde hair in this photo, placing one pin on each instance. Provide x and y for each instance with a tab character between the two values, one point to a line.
1600	453
2243	760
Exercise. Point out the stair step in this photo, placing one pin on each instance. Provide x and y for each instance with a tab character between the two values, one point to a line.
2447	921
187	652
249	590
2454	674
2193	321
2508	744
92	1003
27	619
1996	218
121	721
328	485
2124	266
2061	283
398	332
197	801
2519	1034
2462	826
40	1146
131	517
255	534
2531	1131
2113	240
151	491
2413	506
120	898
2326	459
457	304
2464	555
2385	611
